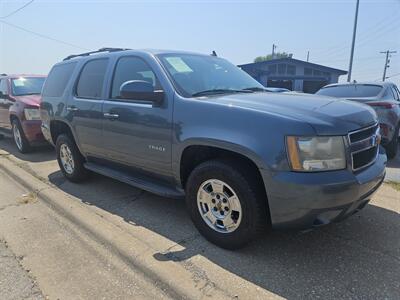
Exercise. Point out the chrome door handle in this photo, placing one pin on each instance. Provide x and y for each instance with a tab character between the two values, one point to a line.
72	108
111	116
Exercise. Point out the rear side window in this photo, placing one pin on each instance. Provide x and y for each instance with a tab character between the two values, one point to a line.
58	79
91	79
351	91
396	96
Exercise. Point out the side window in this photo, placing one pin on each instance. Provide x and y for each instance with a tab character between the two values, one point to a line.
388	95
3	86
57	80
396	95
132	68
398	92
91	79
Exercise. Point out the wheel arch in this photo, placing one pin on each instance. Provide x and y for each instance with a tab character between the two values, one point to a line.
196	152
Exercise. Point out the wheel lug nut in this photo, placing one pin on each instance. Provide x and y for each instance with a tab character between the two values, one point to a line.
218	197
224	200
213	200
215	209
226	208
221	212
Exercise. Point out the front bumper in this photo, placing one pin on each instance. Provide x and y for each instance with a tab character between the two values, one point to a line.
304	200
33	132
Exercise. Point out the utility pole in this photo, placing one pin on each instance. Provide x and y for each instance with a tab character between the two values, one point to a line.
273	50
308	55
353	42
387	61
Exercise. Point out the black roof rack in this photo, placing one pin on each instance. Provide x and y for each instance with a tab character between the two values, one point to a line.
97	51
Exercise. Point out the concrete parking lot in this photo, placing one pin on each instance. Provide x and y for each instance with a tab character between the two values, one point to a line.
358	258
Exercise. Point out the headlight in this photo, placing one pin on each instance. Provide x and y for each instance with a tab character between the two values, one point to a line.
32	114
311	154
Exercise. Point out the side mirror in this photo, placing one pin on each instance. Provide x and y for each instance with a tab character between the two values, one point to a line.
140	90
5	96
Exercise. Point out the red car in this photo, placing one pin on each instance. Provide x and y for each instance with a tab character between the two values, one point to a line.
19	109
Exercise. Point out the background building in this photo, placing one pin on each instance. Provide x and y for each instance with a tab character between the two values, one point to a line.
293	74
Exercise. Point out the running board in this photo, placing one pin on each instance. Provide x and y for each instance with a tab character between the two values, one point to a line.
140	182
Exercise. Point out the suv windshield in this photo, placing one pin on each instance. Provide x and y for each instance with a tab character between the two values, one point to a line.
351	91
201	75
27	85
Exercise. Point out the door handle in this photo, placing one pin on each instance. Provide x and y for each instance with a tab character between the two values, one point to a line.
72	108
111	116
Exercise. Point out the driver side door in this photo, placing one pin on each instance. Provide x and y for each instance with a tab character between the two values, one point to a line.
135	133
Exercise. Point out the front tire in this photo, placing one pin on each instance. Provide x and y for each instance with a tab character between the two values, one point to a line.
226	207
70	159
392	147
19	137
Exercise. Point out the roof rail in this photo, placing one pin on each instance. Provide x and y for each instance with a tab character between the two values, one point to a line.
3	74
97	51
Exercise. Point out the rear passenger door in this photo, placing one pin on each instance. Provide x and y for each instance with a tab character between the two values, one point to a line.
4	107
85	106
140	134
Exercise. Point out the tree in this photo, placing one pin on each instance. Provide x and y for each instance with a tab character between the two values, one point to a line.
269	56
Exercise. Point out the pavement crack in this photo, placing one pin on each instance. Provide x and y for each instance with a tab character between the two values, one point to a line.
8	206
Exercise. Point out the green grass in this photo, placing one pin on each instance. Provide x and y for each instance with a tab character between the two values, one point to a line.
395	185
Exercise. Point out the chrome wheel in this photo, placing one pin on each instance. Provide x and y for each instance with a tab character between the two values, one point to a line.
67	159
17	136
219	206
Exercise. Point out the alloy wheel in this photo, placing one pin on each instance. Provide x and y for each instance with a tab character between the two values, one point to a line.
219	206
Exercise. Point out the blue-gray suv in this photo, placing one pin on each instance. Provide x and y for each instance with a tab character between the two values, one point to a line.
181	124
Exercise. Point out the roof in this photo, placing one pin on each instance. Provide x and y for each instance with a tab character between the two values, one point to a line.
111	51
20	75
293	60
382	83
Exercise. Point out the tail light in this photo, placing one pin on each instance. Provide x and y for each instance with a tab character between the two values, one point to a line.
386	105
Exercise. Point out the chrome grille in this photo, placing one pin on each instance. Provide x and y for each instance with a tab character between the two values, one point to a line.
364	146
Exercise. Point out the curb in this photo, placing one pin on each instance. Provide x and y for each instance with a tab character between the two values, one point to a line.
171	277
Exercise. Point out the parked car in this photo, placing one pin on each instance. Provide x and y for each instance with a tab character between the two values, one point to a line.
182	124
19	109
276	89
383	97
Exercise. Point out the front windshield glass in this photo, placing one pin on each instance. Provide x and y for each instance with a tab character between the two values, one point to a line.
201	75
27	85
351	91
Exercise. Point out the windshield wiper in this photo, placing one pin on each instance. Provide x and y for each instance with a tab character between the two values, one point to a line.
219	91
27	94
255	89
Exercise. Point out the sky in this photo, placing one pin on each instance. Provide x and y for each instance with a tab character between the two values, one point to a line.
44	32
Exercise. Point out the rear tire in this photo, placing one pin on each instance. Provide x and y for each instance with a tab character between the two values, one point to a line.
392	147
211	193
20	139
70	159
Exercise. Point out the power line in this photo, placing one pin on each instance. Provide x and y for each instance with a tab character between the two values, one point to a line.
17	10
394	75
42	35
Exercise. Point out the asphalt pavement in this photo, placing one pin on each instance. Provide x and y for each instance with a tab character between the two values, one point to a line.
358	258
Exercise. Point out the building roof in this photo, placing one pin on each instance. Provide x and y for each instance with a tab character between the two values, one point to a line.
293	60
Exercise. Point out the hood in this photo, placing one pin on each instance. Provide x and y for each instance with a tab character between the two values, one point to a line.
328	116
30	100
